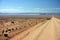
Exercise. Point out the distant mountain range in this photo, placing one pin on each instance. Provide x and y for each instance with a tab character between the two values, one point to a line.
29	13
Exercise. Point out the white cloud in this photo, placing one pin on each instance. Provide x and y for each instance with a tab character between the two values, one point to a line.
11	10
45	10
21	9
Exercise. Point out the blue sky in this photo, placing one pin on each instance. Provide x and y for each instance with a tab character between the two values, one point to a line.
22	6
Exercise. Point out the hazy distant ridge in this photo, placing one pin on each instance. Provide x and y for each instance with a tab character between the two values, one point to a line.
30	13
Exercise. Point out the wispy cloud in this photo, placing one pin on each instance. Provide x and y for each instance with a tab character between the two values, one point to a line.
47	10
36	10
12	10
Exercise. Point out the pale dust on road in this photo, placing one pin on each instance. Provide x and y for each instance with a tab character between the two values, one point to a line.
57	28
48	31
25	33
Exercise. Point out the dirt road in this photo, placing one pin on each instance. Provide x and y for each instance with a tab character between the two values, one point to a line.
48	31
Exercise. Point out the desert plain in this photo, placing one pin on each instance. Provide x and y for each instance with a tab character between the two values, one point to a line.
29	28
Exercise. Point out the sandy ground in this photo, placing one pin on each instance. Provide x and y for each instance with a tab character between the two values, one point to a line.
23	34
13	29
48	31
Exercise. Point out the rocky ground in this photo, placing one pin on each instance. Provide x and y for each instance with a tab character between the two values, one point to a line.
14	27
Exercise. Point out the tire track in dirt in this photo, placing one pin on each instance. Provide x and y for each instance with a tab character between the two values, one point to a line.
25	33
35	33
57	28
48	33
